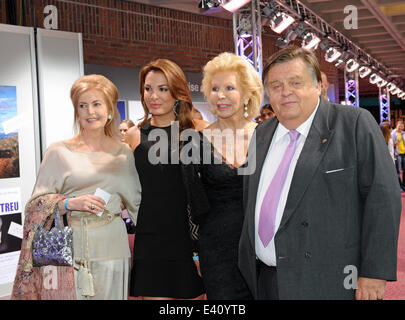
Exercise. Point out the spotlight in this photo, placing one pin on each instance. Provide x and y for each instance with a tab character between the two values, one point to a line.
207	4
283	42
234	5
339	63
245	27
381	83
332	54
351	65
391	87
374	78
281	21
364	71
310	41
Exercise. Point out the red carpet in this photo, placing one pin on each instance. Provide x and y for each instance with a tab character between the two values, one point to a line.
396	290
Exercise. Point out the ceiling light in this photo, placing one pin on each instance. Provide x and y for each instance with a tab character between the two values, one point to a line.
280	22
381	83
364	71
339	63
207	4
351	65
283	42
234	5
391	87
332	54
374	78
310	41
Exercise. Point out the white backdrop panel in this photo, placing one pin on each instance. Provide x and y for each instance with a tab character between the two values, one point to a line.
60	63
17	68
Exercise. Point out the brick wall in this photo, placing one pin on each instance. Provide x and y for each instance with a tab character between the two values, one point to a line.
121	33
128	34
3	17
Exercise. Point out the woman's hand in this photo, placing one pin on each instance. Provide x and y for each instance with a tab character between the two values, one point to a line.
87	203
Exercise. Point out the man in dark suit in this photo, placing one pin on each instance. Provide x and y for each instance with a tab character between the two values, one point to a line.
322	208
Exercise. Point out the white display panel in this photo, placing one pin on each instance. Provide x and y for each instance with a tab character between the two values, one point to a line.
18	125
135	111
60	63
205	110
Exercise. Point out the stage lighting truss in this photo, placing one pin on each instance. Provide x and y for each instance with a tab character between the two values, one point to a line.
310	41
385	107
311	25
244	26
364	71
280	22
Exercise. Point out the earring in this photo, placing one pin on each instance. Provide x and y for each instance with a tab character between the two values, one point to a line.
246	114
109	116
175	107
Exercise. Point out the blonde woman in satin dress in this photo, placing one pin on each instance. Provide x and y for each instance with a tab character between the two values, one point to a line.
75	168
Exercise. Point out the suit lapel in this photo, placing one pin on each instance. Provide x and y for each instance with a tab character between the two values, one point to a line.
263	140
311	155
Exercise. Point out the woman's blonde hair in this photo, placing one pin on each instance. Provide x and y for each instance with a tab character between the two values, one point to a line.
110	93
248	78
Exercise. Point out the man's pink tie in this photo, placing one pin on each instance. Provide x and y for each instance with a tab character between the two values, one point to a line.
271	199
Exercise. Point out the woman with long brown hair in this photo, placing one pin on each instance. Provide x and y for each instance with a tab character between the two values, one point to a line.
163	264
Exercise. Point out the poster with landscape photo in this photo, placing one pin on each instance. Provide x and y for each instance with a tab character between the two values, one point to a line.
9	154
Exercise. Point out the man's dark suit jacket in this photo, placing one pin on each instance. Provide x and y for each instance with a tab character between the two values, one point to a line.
346	217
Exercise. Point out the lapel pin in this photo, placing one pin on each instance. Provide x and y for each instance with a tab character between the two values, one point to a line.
324	140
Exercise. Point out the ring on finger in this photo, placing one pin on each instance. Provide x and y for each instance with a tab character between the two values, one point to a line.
92	207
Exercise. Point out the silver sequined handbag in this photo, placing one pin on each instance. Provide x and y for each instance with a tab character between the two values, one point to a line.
53	247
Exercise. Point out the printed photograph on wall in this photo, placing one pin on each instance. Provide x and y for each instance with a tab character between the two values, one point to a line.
9	154
10	226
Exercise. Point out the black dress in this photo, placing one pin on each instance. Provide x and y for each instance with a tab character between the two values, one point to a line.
162	257
220	230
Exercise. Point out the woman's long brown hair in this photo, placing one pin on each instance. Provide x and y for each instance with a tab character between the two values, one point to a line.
178	89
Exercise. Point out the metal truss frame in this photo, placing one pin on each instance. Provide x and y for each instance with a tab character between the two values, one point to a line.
352	88
247	34
385	108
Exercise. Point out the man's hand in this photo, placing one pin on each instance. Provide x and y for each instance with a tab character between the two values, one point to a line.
370	289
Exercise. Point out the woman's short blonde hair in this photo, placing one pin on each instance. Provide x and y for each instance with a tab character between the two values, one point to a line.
110	93
248	78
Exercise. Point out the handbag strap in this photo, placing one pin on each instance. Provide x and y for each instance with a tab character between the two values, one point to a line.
56	215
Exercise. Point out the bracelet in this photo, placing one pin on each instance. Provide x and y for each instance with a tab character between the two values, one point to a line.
66	202
195	258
